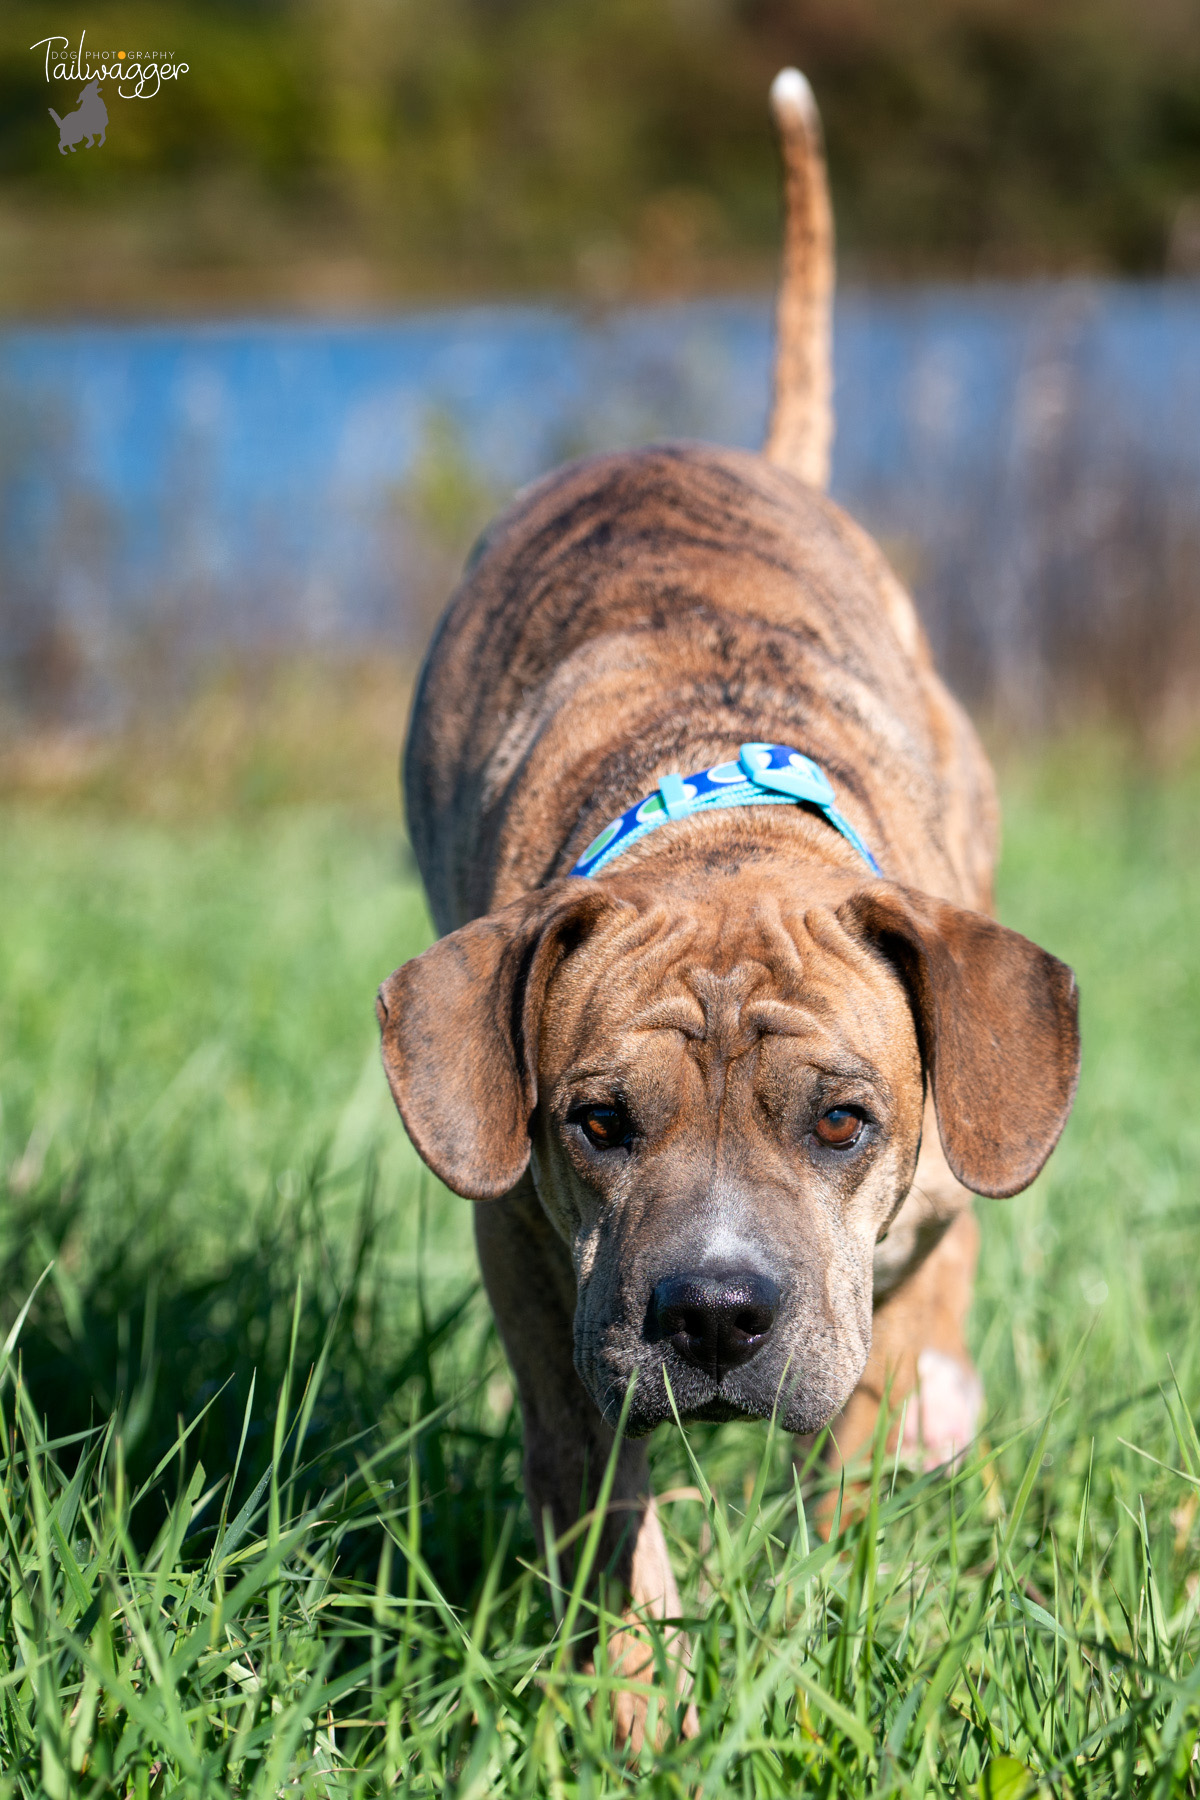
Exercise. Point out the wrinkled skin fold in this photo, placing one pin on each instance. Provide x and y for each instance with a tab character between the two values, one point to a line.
724	1031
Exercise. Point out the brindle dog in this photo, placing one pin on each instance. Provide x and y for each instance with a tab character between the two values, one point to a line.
690	1094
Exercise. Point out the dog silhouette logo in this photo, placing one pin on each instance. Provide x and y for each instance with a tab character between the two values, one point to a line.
89	120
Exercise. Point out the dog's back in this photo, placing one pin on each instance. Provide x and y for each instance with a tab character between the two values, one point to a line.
644	613
647	612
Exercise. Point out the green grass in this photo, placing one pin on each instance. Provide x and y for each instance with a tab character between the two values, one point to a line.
260	1492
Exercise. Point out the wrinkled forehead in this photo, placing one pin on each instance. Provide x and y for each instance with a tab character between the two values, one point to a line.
713	979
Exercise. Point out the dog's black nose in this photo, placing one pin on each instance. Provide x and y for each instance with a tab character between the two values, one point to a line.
717	1320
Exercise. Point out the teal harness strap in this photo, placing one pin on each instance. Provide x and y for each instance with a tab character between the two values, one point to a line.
763	775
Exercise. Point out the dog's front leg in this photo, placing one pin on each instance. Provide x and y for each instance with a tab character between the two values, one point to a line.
531	1284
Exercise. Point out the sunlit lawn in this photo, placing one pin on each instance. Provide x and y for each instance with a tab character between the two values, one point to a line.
261	1498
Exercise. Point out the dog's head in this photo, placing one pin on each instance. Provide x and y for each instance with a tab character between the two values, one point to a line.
723	1102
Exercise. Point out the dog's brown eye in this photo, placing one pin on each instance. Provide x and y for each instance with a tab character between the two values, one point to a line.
604	1127
839	1127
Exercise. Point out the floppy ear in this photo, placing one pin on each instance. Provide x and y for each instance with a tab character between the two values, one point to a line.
460	1030
998	1025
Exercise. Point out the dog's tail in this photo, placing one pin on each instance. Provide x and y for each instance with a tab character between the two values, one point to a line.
801	429
55	117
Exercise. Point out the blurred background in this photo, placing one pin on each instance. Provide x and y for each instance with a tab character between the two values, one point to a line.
272	354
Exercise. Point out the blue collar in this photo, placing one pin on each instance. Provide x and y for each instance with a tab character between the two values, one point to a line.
763	775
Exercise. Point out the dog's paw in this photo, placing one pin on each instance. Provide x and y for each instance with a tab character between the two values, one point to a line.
631	1656
943	1416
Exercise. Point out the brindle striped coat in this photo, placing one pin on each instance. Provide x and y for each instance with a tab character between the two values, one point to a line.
690	1094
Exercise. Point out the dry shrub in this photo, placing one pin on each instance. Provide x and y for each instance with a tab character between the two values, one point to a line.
272	730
